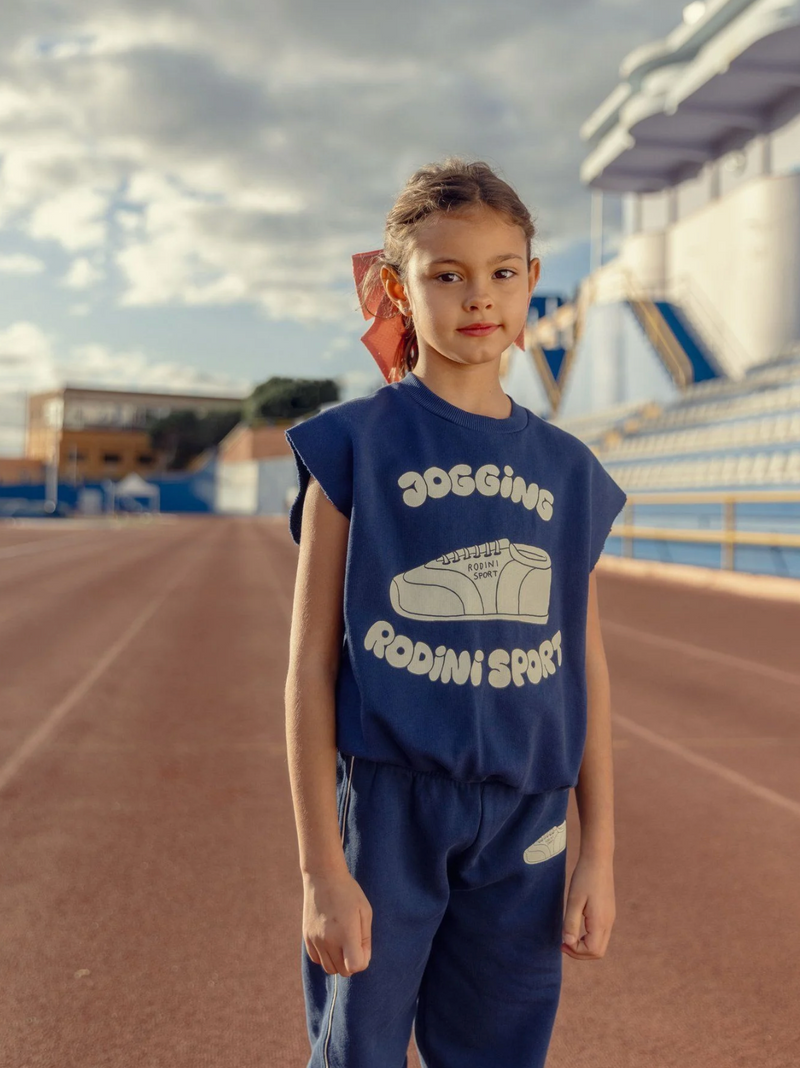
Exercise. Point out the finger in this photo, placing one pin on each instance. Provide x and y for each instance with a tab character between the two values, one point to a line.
337	957
569	952
571	929
579	953
596	940
598	929
352	954
358	944
366	936
588	948
312	952
326	962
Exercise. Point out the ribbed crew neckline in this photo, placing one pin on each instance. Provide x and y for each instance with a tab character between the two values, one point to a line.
416	388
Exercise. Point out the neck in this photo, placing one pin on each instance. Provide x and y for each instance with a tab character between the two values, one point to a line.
473	387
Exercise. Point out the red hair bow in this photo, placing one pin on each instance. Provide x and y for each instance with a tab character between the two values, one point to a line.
386	336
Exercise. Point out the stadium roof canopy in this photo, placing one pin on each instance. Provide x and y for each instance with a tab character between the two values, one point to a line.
705	90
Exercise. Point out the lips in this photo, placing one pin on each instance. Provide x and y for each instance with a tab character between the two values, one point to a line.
479	329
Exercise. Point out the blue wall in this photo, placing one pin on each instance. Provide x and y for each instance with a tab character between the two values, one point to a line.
179	492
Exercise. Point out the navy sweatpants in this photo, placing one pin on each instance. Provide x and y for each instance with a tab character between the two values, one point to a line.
466	883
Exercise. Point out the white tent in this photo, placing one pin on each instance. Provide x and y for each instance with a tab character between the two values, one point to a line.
134	485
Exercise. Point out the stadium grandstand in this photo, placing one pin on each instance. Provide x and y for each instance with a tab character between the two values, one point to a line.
678	359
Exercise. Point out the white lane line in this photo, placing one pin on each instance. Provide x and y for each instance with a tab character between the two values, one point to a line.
46	727
24	548
27	547
13	610
749	785
704	654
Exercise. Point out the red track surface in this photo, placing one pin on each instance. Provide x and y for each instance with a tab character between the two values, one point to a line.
150	899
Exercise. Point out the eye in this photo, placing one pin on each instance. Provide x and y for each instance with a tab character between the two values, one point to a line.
505	272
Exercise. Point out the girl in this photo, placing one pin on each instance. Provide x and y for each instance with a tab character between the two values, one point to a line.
447	685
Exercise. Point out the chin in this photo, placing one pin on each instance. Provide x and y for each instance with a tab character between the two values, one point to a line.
479	359
473	355
484	353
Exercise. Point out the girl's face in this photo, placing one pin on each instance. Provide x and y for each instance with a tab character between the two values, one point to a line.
466	268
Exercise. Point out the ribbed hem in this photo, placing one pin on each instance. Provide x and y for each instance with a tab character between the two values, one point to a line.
412	386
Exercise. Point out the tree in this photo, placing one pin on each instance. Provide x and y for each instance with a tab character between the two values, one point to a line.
182	435
287	398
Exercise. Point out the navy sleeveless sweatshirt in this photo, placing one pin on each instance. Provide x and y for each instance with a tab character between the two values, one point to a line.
471	541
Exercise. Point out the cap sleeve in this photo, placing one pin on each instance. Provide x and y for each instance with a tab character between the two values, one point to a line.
606	502
322	447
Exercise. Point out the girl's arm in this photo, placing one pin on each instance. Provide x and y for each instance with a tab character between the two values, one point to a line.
591	890
595	791
314	650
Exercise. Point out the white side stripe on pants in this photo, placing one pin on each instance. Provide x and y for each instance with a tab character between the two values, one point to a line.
336	974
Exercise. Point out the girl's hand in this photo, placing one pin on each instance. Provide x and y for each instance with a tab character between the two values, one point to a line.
337	922
591	897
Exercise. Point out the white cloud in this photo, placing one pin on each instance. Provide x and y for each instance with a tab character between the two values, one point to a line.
19	263
337	346
192	249
244	153
129	221
74	218
26	357
98	365
82	274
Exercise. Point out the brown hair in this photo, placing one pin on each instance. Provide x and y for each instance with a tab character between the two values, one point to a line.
450	185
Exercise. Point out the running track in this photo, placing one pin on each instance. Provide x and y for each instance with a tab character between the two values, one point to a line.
150	899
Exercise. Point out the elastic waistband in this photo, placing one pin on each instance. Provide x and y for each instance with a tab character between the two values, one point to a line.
408	770
443	776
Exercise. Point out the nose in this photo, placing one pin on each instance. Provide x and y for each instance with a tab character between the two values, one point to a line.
478	298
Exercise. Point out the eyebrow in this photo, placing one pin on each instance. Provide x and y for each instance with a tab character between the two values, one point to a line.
497	259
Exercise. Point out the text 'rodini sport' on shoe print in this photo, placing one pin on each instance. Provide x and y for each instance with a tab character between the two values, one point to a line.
549	845
497	579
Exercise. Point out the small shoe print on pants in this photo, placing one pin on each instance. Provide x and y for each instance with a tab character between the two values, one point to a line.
549	845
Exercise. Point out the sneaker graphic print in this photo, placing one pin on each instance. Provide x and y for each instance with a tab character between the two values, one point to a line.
497	579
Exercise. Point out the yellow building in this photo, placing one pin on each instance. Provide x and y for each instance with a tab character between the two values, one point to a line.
100	433
18	470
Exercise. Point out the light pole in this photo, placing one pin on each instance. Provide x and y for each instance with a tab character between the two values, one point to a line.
51	481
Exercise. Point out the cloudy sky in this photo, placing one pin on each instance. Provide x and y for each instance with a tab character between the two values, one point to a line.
182	184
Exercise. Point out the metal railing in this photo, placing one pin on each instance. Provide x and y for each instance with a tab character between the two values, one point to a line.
722	342
728	536
723	345
663	340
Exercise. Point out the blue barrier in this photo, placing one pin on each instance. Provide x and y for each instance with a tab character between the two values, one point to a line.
179	492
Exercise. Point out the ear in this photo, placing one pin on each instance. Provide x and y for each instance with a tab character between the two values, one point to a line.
534	271
395	290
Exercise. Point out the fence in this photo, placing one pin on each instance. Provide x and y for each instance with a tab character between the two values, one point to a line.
755	530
